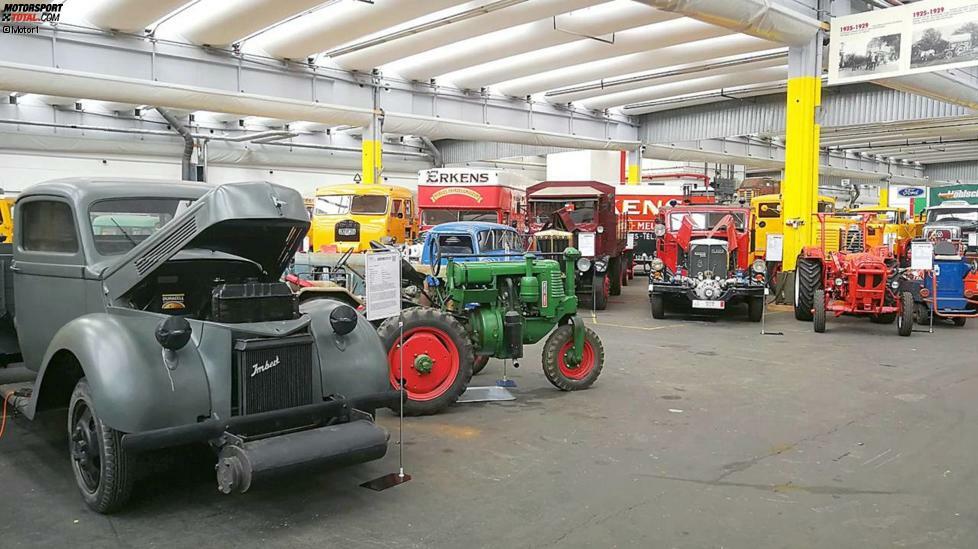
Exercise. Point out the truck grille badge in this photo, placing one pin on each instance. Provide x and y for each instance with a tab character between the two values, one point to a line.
268	365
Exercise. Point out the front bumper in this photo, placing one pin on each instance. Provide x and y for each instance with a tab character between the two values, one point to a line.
730	293
265	422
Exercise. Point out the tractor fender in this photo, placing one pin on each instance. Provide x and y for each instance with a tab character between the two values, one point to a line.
353	364
812	252
132	387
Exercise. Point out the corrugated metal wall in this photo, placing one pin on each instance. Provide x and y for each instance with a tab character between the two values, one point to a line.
841	106
965	172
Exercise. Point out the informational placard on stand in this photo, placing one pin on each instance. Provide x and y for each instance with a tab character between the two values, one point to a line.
383	277
775	247
922	256
585	243
925	36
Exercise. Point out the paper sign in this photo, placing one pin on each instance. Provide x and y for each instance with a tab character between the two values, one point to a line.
383	274
972	240
585	244
631	241
775	247
922	256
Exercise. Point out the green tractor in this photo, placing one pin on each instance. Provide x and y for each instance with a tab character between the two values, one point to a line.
489	309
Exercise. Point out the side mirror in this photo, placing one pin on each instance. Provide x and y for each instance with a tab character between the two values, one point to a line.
343	319
173	333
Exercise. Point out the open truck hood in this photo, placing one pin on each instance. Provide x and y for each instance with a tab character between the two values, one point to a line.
256	220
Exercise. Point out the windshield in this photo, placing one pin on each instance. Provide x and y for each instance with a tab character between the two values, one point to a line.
437	217
582	210
449	244
949	214
358	204
118	225
498	240
703	221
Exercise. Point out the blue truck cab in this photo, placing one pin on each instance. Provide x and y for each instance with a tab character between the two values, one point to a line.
472	241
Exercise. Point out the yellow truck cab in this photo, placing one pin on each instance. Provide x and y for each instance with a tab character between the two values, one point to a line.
768	218
7	219
889	225
349	216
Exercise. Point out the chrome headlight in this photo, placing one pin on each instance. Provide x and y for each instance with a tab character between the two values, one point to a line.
600	229
895	284
658	264
583	264
600	266
759	266
838	282
660	230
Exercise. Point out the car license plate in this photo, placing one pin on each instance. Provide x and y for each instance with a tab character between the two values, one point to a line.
348	232
708	304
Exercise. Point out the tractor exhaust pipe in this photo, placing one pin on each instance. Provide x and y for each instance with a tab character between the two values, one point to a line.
241	464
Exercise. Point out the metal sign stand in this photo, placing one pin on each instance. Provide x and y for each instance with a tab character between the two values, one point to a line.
492	393
764	332
391	480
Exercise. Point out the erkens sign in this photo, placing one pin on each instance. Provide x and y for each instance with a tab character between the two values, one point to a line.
449	191
456	178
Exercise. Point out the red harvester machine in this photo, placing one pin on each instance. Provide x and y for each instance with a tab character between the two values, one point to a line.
852	281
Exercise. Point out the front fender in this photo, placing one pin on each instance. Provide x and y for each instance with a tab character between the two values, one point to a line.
132	388
351	365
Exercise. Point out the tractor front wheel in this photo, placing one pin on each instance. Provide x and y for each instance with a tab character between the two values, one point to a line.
434	356
808	278
819	317
560	372
905	316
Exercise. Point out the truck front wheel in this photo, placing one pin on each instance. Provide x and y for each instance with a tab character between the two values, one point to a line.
614	275
600	288
103	469
658	306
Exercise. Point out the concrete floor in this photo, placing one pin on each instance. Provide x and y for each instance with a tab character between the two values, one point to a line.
699	433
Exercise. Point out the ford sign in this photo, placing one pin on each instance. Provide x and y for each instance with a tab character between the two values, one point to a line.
911	192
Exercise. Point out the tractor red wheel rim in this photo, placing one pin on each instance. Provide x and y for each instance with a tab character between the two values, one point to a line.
439	348
580	371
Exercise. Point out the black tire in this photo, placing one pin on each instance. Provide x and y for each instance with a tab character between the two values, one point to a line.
959	321
480	363
105	480
615	272
818	318
888	318
905	316
755	309
808	278
599	299
425	317
560	377
658	306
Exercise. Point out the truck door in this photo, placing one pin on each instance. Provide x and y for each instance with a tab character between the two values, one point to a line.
398	223
48	273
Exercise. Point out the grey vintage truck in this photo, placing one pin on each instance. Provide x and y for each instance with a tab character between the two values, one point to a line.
154	311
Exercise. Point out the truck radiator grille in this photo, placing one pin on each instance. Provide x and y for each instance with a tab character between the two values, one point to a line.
552	245
271	374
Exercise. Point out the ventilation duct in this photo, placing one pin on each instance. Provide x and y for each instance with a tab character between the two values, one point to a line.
761	18
121	15
219	23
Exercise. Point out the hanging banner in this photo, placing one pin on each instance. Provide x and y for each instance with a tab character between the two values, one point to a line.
926	36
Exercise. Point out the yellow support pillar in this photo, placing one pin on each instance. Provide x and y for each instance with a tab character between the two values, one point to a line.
884	195
635	167
799	190
371	159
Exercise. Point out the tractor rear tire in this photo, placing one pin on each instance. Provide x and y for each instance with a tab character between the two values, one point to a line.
599	292
959	321
808	279
905	317
480	363
755	309
615	274
564	376
658	306
818	318
444	341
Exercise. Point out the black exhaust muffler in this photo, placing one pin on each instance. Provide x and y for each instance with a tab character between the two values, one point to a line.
241	465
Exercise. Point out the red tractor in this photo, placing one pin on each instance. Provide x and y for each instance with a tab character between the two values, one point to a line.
852	281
